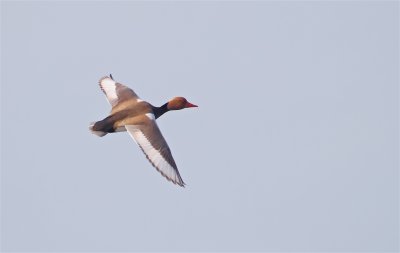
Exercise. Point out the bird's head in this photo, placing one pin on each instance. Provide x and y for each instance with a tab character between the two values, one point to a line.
178	103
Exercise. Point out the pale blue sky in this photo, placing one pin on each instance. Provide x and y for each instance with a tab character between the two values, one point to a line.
294	147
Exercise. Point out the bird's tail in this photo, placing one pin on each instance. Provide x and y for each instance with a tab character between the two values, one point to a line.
96	132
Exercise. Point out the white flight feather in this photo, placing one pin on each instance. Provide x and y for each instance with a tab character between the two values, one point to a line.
153	154
110	88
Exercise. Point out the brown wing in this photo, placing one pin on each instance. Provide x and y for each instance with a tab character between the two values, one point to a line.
116	92
149	138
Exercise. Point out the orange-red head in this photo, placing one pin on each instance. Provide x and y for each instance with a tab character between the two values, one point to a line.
179	103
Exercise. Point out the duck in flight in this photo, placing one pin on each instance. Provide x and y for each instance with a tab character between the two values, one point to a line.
137	117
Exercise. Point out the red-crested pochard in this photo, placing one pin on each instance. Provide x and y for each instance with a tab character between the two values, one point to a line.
137	117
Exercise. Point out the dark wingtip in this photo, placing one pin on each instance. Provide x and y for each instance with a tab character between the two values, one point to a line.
111	77
181	184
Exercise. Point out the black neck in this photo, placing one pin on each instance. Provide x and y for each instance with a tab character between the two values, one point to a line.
158	111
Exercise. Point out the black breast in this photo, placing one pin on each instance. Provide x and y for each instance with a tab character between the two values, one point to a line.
158	111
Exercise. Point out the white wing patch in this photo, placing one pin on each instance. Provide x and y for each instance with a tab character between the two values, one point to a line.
153	155
150	116
110	89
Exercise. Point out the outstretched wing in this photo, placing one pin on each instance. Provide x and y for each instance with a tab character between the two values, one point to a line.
116	92
149	138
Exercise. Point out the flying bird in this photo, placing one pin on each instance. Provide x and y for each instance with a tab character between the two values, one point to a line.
138	117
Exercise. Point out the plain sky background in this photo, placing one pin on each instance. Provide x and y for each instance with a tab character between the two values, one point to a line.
294	147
